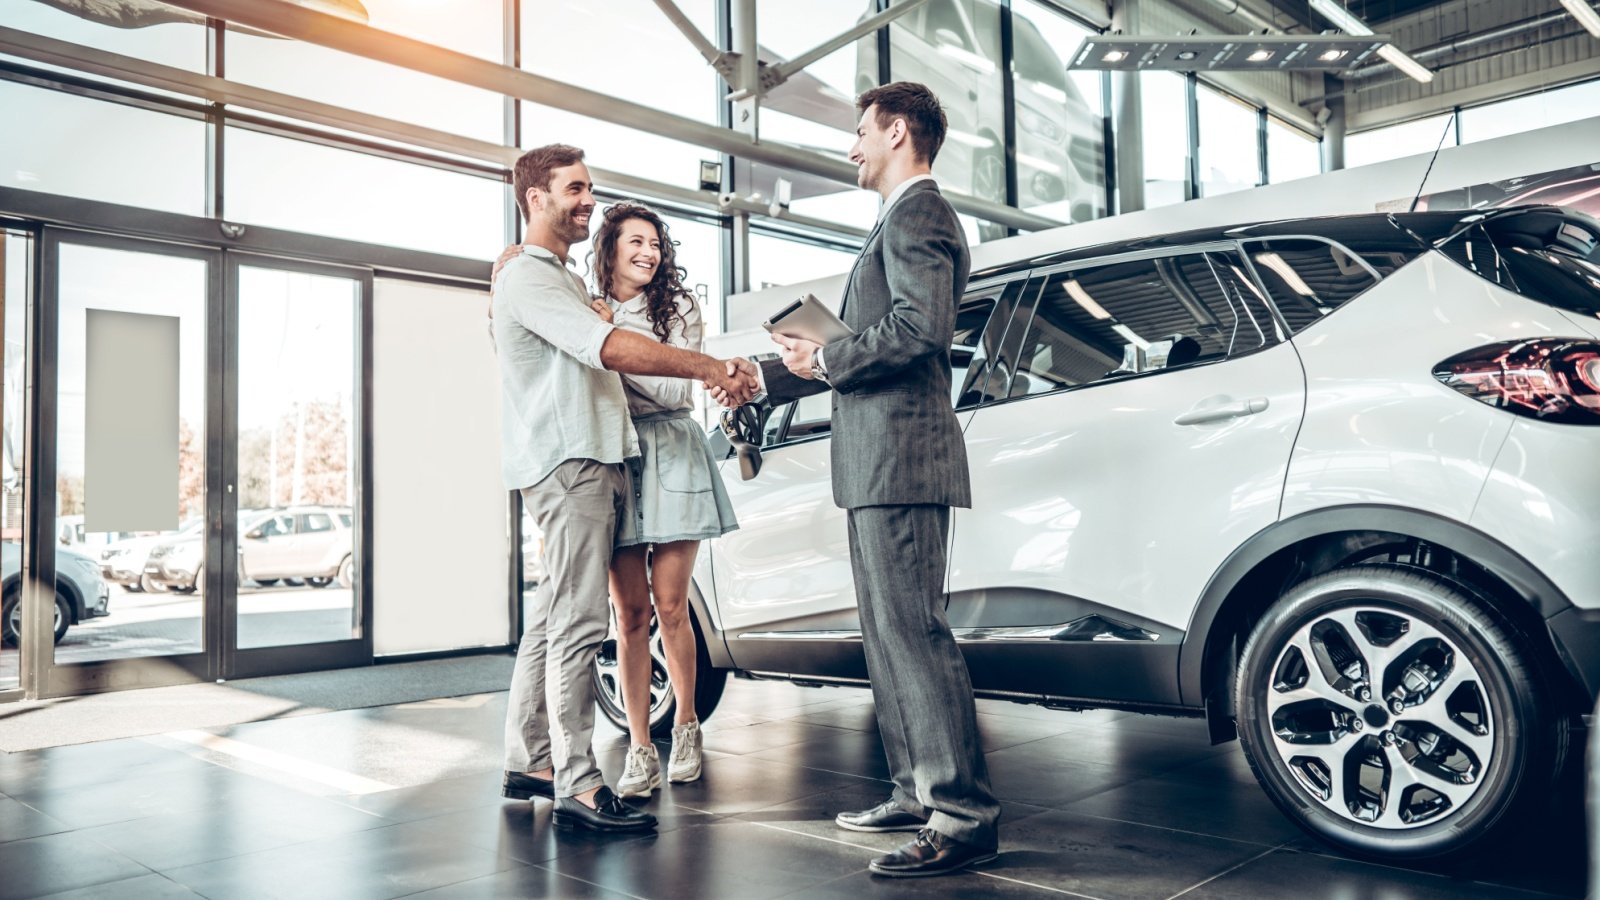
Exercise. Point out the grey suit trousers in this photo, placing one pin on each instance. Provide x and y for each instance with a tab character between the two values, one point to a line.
920	685
550	712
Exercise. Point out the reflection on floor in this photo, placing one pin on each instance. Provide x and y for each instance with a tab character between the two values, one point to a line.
403	801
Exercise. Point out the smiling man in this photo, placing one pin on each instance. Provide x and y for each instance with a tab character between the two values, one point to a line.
565	435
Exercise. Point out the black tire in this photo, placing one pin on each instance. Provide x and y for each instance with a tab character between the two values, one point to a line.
708	687
10	617
148	585
320	581
265	582
347	573
1493	755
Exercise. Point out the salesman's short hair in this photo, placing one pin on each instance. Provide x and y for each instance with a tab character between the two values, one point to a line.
534	168
917	105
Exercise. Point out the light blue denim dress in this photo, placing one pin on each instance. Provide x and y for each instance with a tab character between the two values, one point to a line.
676	493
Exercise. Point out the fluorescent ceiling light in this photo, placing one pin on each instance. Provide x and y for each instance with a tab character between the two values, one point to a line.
970	139
1043	165
1130	337
1290	277
1585	14
1082	298
1338	15
1049	92
968	58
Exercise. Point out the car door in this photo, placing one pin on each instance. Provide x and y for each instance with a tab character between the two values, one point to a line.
314	549
1146	432
267	550
784	591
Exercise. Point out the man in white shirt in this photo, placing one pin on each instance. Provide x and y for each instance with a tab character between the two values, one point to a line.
565	433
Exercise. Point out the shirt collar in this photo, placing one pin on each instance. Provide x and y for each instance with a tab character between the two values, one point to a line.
536	250
899	190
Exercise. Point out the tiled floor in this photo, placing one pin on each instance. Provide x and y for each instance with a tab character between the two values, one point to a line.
403	801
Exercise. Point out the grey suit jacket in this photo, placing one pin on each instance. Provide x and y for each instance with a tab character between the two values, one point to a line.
896	439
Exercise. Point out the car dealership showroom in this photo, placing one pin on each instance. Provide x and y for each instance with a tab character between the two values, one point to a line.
1254	552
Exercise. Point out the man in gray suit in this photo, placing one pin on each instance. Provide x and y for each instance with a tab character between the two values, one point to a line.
899	464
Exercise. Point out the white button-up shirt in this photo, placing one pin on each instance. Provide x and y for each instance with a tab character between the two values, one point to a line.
658	393
557	402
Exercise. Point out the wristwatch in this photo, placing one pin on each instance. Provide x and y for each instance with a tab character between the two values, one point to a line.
818	370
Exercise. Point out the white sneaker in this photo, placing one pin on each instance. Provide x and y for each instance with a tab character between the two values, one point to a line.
641	773
684	763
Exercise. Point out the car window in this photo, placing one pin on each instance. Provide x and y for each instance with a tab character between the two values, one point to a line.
277	526
1308	279
314	522
1130	318
347	519
972	350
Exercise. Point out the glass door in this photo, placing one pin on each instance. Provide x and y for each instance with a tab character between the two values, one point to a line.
299	586
124	468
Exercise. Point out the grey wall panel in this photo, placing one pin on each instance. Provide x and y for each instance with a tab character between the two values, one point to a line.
130	430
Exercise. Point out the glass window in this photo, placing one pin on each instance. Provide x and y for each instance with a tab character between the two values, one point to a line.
953	46
1061	149
330	76
1291	153
1540	110
315	522
16	254
776	261
147	30
815	108
1308	279
1164	123
160	164
568	39
284	183
1135	317
1229	148
1396	141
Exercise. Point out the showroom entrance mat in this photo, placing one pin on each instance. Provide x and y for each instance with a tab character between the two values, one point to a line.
124	714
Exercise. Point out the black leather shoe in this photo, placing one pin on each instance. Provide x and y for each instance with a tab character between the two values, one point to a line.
609	814
931	854
517	786
886	816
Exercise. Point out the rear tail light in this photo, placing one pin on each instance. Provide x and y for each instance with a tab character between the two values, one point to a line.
1553	379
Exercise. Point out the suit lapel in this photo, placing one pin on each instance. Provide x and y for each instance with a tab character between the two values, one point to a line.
872	235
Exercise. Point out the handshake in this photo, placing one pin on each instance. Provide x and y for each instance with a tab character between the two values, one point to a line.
736	385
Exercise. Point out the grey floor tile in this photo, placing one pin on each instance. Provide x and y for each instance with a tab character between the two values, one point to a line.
523	883
1285	873
60	862
19	821
145	887
1219	809
971	884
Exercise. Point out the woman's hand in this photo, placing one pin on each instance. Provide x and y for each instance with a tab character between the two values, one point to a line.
600	306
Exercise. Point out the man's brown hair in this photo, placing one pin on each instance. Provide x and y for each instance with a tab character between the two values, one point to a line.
534	168
925	121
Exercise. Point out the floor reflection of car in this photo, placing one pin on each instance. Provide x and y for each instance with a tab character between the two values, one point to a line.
1328	485
123	562
310	544
950	45
80	591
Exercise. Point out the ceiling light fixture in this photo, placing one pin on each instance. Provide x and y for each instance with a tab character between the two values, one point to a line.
1115	56
1332	55
1222	52
1338	15
1585	14
1187	55
1259	56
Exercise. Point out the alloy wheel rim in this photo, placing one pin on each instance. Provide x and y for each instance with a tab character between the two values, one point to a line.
1380	718
608	678
16	618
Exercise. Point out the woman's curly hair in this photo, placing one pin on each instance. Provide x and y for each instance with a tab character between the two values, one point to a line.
663	291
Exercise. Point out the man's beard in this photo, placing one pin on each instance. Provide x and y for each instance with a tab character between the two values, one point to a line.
569	229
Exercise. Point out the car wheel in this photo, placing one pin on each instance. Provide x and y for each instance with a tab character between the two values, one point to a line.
11	617
136	588
709	682
1388	710
266	582
320	581
148	585
347	572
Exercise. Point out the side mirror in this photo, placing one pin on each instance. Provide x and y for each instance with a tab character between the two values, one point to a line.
742	428
254	535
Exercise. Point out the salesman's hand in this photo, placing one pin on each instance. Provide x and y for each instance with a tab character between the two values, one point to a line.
797	354
737	385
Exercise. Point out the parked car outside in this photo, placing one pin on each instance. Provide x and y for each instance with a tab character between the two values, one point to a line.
1328	484
123	562
80	591
313	543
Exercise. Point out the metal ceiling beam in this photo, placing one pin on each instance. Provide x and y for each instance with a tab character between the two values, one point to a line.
340	34
77	57
1511	30
782	72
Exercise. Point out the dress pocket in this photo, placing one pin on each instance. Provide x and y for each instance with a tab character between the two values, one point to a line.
680	461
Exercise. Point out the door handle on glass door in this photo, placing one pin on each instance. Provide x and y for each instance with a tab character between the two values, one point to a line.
1201	415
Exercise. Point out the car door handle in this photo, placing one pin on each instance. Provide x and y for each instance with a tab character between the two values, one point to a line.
1203	415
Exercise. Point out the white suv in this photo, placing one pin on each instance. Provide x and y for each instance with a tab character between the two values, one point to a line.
1332	484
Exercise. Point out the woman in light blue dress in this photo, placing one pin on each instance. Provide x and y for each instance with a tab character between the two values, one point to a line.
677	500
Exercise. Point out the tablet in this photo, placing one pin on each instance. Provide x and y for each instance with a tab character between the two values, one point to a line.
808	319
